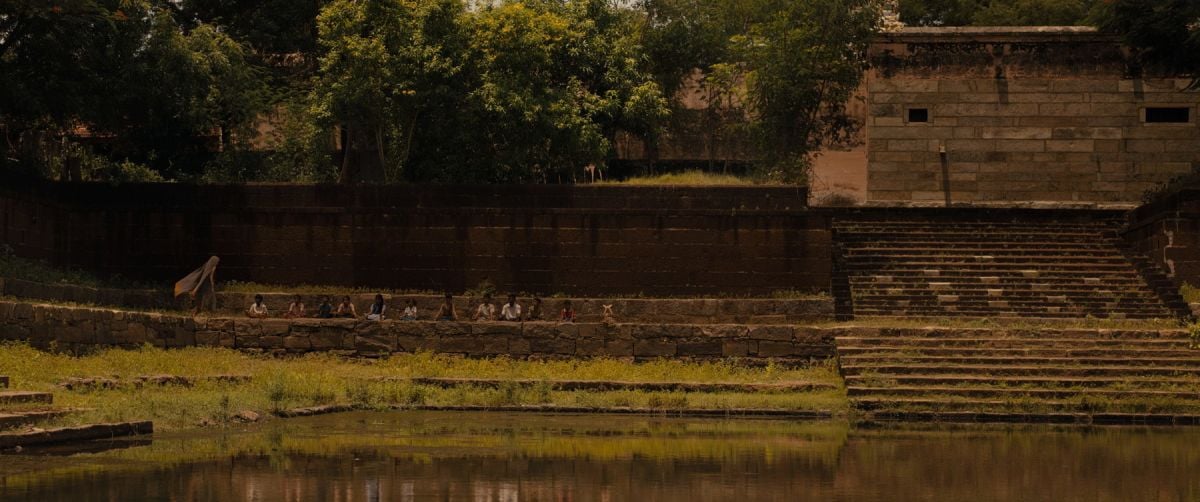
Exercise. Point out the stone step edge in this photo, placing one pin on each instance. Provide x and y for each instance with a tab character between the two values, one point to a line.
19	418
602	385
20	397
74	434
680	412
1040	418
987	368
855	392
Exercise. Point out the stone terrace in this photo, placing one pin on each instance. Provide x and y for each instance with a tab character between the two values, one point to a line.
83	329
641	310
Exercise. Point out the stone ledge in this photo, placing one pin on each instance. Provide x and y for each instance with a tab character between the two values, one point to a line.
81	329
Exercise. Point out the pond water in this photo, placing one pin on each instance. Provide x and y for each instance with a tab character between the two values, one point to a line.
502	457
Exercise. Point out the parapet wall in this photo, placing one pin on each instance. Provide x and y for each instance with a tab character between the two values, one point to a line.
579	240
83	329
1021	114
1168	231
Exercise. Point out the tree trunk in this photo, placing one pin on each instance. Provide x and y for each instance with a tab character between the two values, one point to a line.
363	158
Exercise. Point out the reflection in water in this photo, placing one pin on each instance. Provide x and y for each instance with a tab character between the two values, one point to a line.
502	457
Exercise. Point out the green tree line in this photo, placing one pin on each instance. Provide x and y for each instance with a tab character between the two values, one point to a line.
444	90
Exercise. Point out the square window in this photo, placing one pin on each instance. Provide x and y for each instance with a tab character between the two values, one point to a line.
918	115
1168	115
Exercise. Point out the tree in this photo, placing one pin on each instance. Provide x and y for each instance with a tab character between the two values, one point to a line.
802	65
556	82
995	12
123	70
384	59
1166	34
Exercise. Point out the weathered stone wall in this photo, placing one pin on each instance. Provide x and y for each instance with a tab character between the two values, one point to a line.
1023	114
82	329
1168	231
655	310
593	240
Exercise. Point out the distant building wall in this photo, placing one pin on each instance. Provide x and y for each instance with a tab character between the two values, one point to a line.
1023	114
587	240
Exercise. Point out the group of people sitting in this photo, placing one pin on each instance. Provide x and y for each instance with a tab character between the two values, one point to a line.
377	311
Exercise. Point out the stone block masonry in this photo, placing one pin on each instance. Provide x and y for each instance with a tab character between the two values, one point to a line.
1022	114
84	329
1168	231
579	240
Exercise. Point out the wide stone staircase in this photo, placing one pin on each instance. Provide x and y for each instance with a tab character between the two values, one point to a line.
994	264
1022	375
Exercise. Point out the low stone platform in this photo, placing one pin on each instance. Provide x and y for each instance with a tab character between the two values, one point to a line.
657	310
81	329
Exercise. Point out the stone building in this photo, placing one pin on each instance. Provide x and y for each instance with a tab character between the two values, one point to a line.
1003	115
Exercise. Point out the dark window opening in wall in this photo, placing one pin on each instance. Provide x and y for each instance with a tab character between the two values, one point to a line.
918	115
1168	115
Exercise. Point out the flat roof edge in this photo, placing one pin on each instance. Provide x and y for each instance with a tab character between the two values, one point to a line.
958	34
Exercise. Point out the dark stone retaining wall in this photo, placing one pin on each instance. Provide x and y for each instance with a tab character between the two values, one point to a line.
656	310
1168	231
584	240
82	329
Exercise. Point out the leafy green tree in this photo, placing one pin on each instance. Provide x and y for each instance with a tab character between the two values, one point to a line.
803	65
556	82
383	59
125	70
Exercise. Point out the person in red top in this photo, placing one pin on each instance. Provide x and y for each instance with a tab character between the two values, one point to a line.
568	313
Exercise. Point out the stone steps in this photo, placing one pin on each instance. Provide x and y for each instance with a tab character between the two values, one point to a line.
12	397
1007	372
866	361
955	370
1040	264
1028	380
1044	401
918	344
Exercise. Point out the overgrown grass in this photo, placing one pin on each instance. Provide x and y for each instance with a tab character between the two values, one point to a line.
1191	294
686	178
40	271
319	379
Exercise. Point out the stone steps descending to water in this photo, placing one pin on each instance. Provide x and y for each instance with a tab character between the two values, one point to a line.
1027	264
955	374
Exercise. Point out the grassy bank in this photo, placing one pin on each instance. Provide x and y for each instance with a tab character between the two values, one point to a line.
320	379
691	178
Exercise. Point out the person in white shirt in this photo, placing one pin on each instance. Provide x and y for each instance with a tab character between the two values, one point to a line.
511	310
486	310
258	309
410	312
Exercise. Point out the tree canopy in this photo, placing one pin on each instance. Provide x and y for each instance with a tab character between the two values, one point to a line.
414	90
996	12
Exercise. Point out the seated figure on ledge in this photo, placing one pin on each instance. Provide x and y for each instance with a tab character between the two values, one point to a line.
377	310
295	309
346	308
446	312
325	310
258	309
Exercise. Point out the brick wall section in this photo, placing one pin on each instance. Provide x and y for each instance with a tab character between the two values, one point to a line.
1023	114
1168	231
591	240
85	329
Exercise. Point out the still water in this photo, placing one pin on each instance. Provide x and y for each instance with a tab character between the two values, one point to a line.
506	457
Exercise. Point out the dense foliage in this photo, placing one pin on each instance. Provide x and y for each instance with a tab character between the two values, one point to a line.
996	12
417	90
